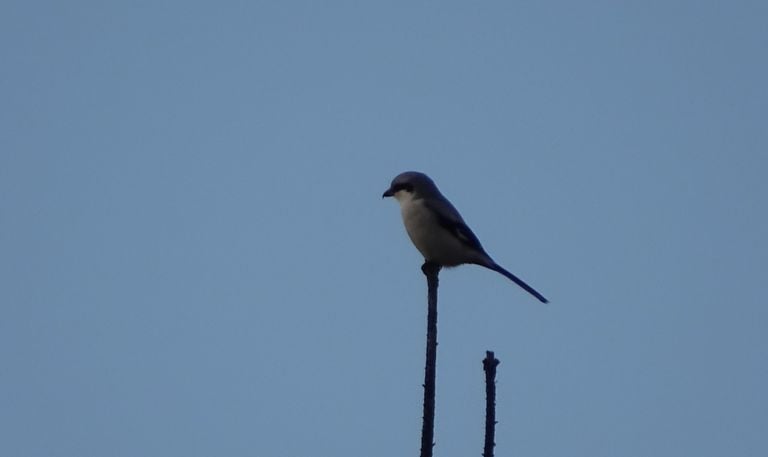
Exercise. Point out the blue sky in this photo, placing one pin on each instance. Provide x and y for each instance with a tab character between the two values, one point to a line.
195	258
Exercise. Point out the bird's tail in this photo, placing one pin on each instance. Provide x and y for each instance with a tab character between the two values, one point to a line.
498	268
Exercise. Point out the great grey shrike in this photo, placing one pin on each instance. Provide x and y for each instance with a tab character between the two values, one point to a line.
437	229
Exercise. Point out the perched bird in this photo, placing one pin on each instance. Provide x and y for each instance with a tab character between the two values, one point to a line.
437	229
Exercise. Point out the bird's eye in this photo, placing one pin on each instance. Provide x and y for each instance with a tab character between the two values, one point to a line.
403	186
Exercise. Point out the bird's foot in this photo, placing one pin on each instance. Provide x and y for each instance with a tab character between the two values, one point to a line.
430	268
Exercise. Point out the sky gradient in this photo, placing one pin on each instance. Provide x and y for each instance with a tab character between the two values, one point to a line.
195	258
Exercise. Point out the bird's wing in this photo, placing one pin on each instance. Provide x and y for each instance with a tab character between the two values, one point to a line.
450	219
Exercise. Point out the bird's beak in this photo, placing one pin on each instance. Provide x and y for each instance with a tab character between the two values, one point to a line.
388	193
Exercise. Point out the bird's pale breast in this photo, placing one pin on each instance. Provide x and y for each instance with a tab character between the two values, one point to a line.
434	242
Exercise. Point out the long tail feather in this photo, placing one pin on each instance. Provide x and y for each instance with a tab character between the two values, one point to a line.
496	267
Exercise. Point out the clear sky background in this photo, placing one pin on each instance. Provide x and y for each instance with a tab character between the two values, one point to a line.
195	259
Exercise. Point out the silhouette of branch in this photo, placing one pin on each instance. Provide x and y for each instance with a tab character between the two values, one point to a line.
489	366
431	271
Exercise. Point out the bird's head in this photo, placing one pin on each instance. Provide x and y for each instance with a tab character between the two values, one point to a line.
409	185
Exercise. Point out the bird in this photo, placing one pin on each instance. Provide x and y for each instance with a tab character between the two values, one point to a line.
437	229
